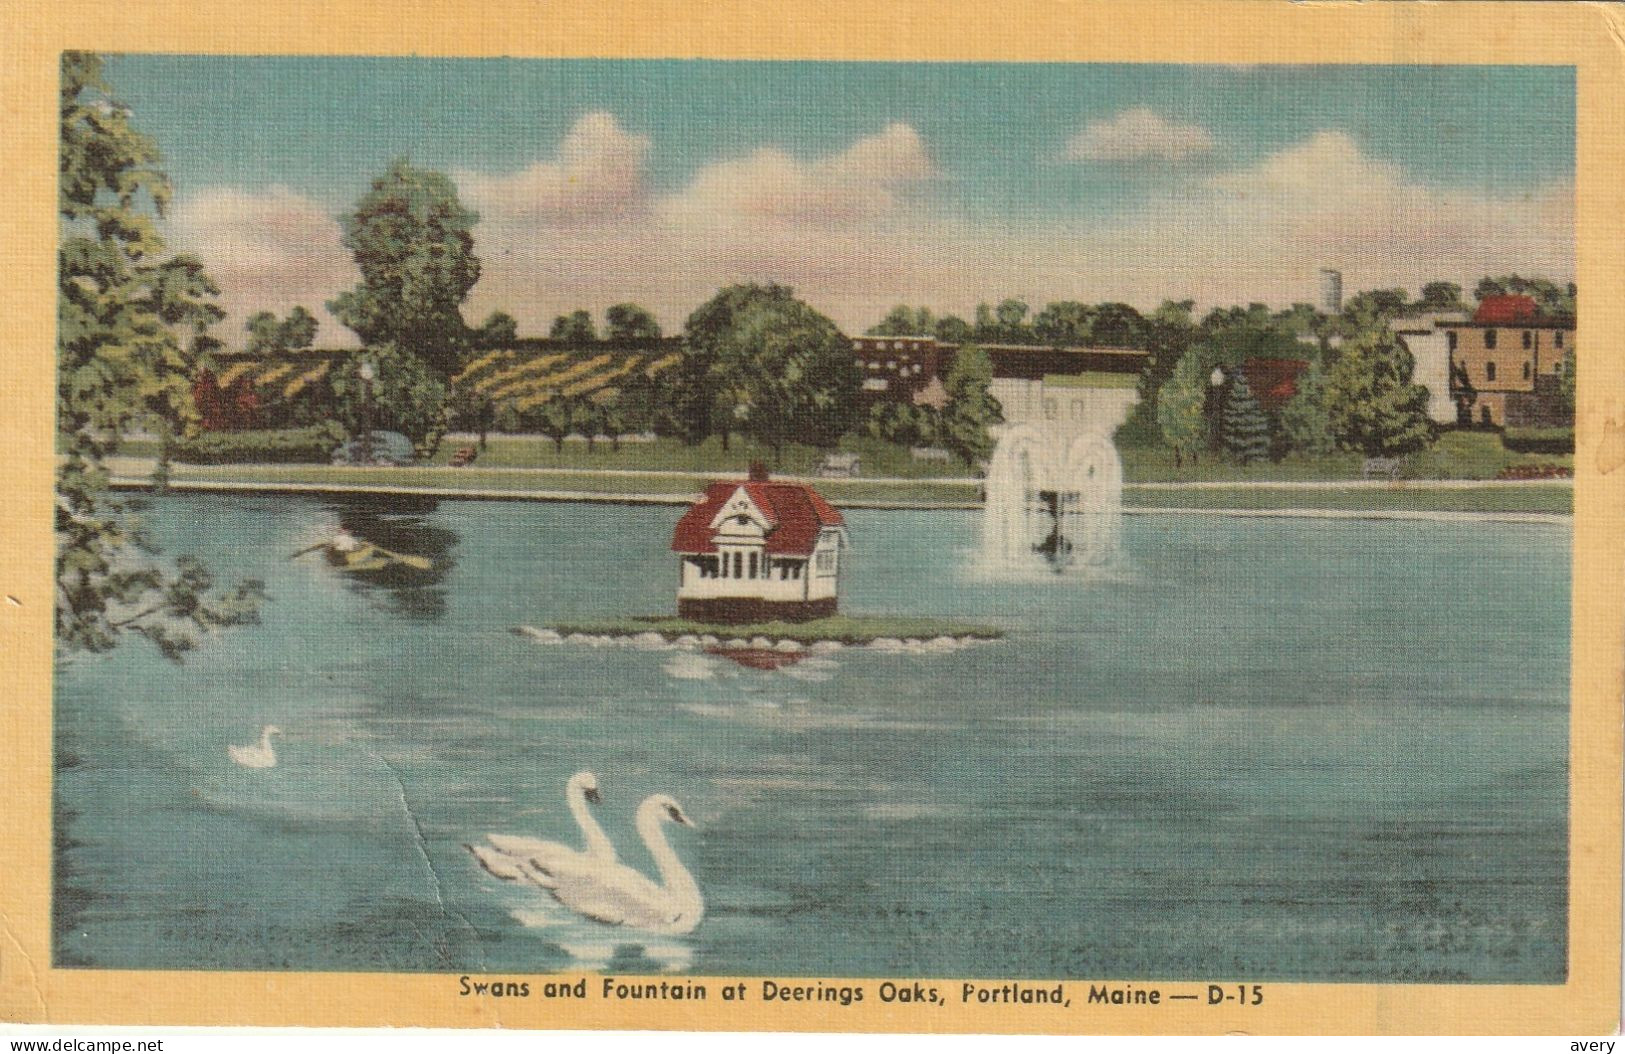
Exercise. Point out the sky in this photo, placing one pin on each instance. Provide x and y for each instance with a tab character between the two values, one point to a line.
867	185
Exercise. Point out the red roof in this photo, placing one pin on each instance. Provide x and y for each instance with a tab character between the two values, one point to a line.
1273	381
795	515
1506	310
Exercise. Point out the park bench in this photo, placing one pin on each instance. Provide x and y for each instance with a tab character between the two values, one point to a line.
463	456
839	466
1382	467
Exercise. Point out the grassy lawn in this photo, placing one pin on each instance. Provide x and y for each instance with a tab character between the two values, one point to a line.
1534	497
456	480
1456	455
878	458
847	629
642	469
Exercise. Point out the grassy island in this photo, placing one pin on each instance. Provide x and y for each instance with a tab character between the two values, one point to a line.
845	629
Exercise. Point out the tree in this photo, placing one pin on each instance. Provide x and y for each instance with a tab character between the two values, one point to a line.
1370	401
1566	382
556	418
987	326
589	421
405	396
264	332
499	330
1244	430
413	242
1064	323
971	409
757	360
786	374
1550	298
1372	306
614	418
574	328
902	423
630	322
951	329
1440	296
298	329
904	321
1180	405
1012	316
131	324
1305	424
1168	333
1117	326
268	335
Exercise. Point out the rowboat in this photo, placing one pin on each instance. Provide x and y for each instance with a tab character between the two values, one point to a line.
366	558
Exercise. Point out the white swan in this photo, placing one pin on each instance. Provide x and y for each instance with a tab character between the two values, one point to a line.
515	857
258	755
610	892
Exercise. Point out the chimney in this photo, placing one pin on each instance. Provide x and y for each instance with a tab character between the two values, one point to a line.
758	472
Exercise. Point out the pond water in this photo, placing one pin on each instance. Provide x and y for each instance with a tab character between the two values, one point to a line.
1273	749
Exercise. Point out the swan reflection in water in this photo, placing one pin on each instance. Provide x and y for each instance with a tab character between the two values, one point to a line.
594	885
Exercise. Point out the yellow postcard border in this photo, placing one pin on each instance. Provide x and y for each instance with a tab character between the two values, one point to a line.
1590	37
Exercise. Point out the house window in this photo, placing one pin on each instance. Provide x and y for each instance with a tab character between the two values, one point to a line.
739	565
1450	340
1528	340
1484	415
1489	371
1557	338
1526	370
1489	338
753	565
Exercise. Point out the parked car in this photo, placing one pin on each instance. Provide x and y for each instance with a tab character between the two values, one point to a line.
384	448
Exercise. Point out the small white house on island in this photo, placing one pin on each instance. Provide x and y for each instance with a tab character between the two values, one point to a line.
757	550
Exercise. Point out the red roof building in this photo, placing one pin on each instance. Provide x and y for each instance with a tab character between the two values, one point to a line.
1506	310
756	550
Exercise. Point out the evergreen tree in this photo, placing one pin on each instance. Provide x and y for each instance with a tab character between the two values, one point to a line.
963	427
1370	401
1180	403
131	324
1304	420
1244	429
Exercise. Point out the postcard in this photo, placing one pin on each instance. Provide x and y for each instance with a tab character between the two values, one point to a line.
1063	519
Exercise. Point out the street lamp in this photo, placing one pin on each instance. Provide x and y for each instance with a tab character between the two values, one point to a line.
368	373
1211	405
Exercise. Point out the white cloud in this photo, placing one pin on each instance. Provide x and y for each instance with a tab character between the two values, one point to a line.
1139	134
853	232
598	175
868	180
267	251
